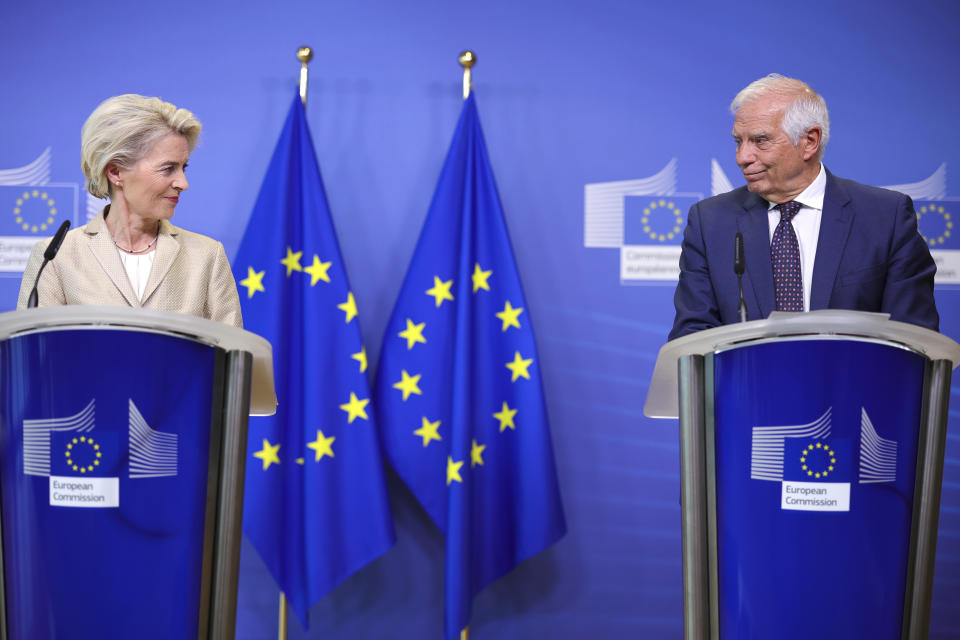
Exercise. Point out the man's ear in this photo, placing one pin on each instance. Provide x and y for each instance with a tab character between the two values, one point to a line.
810	142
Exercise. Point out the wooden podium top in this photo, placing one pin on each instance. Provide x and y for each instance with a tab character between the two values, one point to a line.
662	398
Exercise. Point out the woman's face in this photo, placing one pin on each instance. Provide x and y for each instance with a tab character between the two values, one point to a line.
151	188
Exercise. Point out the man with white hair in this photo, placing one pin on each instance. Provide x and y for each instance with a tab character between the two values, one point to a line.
811	240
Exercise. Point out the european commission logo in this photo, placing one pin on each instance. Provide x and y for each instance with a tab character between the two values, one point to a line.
814	469
31	208
653	229
644	219
84	464
653	219
936	220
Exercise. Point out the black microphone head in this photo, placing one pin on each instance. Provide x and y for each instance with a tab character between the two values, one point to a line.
54	245
739	264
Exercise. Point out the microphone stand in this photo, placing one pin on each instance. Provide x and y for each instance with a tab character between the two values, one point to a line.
739	266
48	255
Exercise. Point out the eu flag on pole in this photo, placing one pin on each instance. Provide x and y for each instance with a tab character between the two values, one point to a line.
316	505
458	386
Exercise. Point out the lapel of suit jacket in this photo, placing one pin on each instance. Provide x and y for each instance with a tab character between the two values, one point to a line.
752	223
103	249
167	250
835	222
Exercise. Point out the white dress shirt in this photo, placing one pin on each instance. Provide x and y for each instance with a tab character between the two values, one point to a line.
138	269
806	224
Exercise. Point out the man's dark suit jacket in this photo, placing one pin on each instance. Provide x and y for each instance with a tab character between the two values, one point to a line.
870	257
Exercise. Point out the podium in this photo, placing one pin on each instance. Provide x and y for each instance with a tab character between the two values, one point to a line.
811	461
122	452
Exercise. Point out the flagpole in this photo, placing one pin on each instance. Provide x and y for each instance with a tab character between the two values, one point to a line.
282	620
304	55
467	59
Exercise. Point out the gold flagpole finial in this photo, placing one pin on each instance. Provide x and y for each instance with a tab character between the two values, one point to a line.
304	55
467	59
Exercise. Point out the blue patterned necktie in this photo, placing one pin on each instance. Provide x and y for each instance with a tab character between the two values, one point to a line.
785	258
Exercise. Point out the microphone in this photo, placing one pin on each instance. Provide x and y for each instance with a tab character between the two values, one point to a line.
54	245
48	255
739	265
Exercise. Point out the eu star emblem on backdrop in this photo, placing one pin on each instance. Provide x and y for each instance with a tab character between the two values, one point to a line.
316	505
935	219
458	387
655	220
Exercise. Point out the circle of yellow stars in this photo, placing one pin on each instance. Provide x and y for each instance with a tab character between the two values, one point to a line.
670	208
88	443
318	271
354	407
408	385
31	195
936	209
831	456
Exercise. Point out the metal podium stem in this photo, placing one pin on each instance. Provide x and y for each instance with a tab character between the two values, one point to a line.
226	560
929	479
694	498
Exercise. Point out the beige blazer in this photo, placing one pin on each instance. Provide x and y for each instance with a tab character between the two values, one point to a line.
190	274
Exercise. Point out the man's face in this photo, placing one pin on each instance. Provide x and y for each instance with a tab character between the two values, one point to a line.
773	166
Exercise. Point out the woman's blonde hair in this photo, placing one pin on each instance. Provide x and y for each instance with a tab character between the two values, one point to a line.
123	129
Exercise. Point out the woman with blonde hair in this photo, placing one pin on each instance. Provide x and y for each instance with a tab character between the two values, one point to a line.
134	151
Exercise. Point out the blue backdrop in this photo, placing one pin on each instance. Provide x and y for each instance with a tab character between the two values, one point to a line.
571	94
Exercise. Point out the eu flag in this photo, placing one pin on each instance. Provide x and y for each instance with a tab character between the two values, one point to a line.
316	506
458	386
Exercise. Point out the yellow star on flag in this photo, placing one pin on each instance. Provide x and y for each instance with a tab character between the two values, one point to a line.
440	290
355	408
413	333
253	282
428	431
318	271
505	416
349	307
361	357
322	446
269	454
509	316
453	470
408	384
480	278
292	261
519	367
476	454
